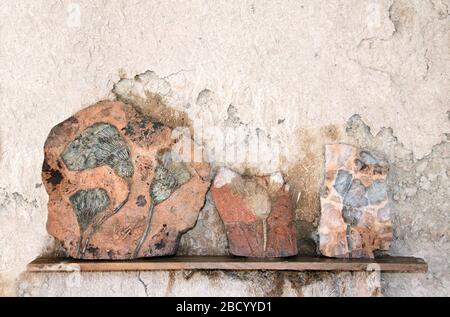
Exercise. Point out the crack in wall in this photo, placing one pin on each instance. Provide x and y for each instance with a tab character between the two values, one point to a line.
399	42
394	20
144	285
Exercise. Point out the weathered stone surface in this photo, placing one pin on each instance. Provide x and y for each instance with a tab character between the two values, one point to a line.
257	213
355	209
117	186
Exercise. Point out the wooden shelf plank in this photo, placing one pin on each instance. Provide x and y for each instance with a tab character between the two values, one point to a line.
386	264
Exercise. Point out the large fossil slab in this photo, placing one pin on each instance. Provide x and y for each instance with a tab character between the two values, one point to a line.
118	188
257	213
355	218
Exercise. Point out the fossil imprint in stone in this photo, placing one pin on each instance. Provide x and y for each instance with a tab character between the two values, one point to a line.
169	176
355	219
117	188
100	144
257	213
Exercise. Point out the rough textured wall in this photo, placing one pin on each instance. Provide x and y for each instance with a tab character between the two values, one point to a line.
292	74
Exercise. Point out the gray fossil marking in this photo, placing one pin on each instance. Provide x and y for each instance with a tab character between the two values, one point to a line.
170	174
368	159
87	204
100	144
355	196
351	216
343	182
376	192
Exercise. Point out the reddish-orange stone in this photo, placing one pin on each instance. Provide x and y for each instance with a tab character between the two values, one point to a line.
107	198
257	213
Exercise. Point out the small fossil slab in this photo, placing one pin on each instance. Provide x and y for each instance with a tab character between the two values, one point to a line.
117	186
257	213
355	208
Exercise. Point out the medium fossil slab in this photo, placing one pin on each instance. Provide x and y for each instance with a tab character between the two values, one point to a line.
355	218
257	213
117	186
